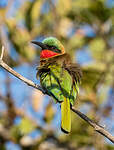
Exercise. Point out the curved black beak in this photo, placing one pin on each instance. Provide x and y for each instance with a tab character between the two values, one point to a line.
43	46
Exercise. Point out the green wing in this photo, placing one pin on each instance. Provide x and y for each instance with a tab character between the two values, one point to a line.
59	84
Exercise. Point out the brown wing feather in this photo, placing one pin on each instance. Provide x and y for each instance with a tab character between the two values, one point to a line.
73	69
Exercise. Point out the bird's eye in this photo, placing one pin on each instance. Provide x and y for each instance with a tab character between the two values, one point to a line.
54	47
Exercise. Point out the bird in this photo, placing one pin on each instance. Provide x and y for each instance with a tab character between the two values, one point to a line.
59	77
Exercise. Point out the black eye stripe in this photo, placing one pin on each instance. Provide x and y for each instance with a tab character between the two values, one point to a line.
54	49
57	50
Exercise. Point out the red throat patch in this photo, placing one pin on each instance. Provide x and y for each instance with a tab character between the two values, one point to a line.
47	54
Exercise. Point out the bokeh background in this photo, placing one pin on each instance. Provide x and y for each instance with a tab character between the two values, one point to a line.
28	119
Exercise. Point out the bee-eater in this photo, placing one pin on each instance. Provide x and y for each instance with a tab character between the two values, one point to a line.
59	77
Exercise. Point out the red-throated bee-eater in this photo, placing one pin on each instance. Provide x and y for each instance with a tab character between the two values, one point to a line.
59	77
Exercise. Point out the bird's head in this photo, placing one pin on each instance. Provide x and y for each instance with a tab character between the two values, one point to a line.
50	47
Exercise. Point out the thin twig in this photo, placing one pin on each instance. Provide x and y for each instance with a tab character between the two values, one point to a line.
97	127
2	53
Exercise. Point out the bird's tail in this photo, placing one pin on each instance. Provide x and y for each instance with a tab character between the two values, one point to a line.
65	116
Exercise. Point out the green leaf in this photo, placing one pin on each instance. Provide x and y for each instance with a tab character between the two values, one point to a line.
33	13
26	126
97	47
63	7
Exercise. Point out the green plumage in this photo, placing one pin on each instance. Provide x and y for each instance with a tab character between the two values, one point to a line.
51	41
59	84
61	81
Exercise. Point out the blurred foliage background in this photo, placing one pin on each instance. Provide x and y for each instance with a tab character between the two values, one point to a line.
30	120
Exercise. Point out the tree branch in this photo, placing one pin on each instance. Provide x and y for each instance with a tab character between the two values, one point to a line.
17	75
97	127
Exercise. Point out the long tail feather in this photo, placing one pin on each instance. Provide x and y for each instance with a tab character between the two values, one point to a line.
65	116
